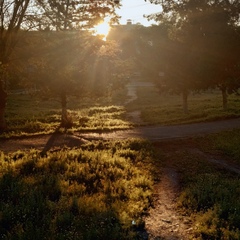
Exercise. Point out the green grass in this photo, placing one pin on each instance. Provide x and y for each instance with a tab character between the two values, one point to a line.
227	143
29	115
209	193
213	200
166	109
94	192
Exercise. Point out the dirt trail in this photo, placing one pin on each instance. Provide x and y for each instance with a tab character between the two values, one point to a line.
135	116
164	221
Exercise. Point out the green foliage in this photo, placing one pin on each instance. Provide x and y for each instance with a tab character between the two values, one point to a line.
228	143
215	199
90	193
30	115
204	50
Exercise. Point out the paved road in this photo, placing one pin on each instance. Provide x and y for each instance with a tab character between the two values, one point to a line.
154	133
170	132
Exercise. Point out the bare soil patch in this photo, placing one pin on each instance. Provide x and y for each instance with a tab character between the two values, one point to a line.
43	142
164	220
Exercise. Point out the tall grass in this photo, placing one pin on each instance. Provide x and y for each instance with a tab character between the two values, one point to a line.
95	192
214	200
210	194
227	143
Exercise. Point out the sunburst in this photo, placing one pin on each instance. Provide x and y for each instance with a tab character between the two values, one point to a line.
102	29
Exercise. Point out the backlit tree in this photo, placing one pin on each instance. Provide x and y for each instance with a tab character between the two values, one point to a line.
19	16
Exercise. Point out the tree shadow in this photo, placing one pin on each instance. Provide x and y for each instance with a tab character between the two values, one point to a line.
59	140
50	142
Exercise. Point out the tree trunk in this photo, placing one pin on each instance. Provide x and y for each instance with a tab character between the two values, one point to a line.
66	120
3	101
185	101
224	98
64	108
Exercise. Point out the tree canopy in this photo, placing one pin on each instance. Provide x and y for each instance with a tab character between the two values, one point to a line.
206	38
68	14
18	17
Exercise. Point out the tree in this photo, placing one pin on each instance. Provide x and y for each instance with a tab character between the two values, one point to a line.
106	70
68	16
3	98
13	15
18	16
206	32
62	15
64	64
152	51
164	61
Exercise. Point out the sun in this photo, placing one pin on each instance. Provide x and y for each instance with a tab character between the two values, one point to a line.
102	29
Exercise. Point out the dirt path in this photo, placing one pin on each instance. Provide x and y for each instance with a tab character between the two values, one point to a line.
154	133
158	133
135	116
164	221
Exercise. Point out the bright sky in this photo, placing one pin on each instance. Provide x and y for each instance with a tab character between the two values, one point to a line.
135	9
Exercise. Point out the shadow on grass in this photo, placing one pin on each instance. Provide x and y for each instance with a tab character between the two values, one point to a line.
58	141
50	142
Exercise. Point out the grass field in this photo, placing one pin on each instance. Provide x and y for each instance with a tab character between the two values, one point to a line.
29	115
98	191
166	109
103	189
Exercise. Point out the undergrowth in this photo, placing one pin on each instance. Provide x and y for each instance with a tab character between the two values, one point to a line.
27	116
211	194
30	115
214	200
94	192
